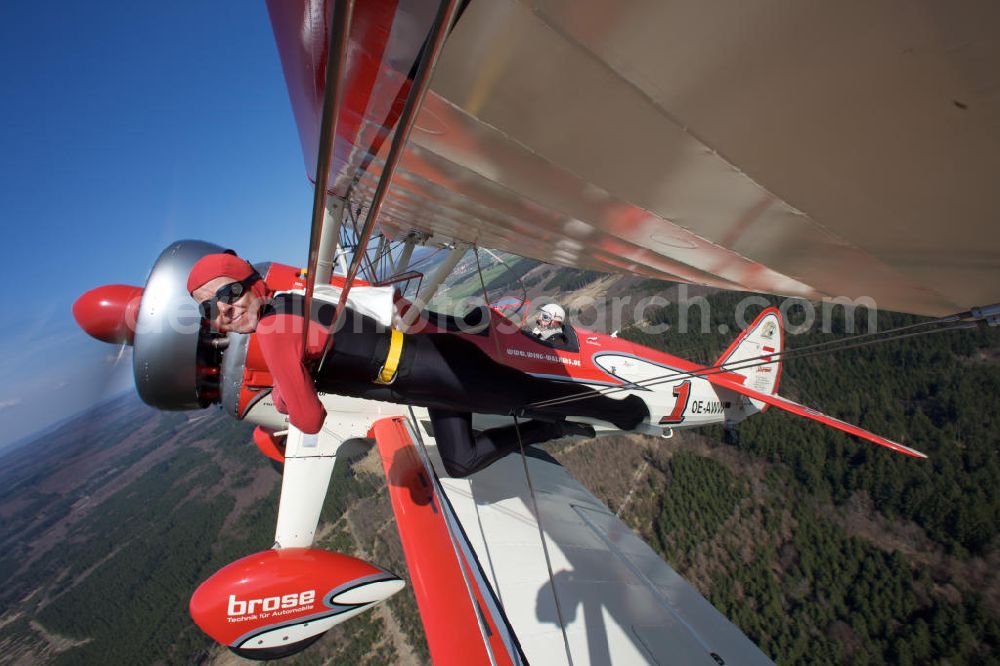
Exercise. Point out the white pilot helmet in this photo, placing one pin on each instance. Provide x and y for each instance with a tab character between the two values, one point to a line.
553	310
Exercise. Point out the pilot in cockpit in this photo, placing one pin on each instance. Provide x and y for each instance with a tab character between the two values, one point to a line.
549	324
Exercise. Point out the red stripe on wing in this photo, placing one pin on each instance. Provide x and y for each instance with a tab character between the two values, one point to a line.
436	571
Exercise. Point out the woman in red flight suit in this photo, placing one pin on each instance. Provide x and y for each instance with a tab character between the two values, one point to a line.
449	376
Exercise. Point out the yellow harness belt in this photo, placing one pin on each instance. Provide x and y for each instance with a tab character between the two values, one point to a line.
387	374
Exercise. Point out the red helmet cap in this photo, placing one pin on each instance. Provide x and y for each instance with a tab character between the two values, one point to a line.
213	266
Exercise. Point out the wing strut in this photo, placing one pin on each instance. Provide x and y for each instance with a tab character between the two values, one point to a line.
531	488
447	12
340	27
329	240
403	261
428	290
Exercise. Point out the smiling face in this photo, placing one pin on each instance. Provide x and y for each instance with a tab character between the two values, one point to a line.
239	317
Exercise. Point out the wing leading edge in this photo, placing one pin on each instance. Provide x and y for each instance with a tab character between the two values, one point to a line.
609	598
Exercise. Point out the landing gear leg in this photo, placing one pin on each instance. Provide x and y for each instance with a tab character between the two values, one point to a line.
732	435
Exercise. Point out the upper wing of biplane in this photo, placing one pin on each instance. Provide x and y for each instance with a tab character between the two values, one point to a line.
810	149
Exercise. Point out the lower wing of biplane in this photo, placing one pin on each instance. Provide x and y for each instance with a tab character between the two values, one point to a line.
516	564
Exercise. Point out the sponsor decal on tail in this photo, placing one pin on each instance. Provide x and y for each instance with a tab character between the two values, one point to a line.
749	355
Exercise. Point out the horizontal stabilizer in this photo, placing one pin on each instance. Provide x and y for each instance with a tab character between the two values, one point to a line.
723	381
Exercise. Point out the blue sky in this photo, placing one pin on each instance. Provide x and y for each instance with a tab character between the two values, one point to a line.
126	126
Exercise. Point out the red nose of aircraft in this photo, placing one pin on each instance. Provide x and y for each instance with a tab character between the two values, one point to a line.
108	313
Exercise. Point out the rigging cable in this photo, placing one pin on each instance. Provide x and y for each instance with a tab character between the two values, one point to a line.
518	277
527	475
765	359
541	537
426	259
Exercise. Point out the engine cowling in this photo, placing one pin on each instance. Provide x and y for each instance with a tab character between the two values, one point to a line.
176	366
178	362
176	358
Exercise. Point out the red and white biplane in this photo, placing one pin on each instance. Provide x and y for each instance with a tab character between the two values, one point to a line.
773	149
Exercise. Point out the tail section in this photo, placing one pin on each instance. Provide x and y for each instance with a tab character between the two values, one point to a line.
750	352
749	357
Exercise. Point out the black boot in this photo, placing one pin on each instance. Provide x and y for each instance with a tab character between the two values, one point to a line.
630	413
625	414
573	429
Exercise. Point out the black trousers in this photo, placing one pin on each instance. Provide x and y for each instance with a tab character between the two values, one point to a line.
453	378
464	451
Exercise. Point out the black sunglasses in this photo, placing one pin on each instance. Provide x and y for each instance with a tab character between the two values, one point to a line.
228	294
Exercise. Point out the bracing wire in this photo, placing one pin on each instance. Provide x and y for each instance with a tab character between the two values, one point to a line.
424	260
371	259
541	537
486	302
527	478
765	359
519	278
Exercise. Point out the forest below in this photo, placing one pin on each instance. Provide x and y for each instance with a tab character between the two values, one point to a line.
847	553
